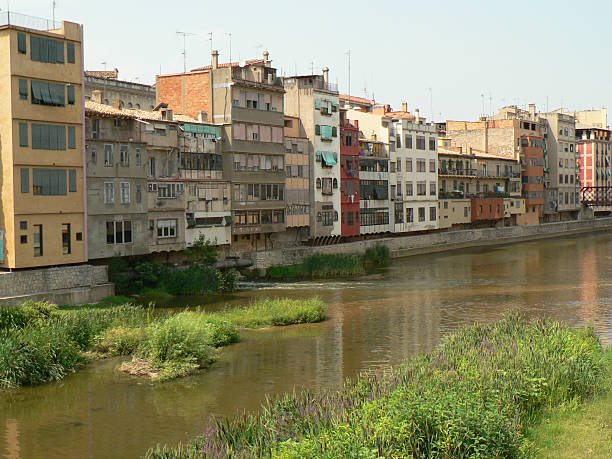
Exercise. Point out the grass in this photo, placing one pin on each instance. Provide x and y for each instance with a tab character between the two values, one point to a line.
40	342
475	396
579	431
321	266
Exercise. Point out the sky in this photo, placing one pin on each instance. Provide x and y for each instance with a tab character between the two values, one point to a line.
451	59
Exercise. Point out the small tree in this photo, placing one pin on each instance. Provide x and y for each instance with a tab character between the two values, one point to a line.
203	253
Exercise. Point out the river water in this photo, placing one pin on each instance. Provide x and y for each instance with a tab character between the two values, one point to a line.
374	321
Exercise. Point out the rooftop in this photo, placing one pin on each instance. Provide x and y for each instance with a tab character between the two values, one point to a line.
359	100
106	74
231	64
8	18
94	108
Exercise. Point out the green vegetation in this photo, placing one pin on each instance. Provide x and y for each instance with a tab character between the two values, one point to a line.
155	280
579	431
475	396
320	266
40	342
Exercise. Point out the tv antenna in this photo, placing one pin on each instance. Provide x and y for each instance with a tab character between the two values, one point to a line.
349	75
230	46
184	53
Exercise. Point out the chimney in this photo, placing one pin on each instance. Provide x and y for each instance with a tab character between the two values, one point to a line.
202	116
417	118
387	108
96	96
532	111
266	56
405	107
215	57
326	74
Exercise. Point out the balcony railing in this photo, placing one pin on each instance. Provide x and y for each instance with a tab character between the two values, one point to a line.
463	172
30	22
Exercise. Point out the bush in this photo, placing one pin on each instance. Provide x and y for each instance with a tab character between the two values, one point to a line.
378	256
28	312
119	340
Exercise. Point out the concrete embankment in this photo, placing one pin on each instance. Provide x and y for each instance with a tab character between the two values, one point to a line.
405	246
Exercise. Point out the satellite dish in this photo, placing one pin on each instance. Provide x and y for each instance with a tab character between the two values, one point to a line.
242	63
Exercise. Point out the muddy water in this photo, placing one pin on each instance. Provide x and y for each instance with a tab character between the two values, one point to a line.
374	321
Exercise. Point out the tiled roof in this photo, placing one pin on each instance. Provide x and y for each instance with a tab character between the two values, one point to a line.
94	108
231	64
407	115
360	100
108	74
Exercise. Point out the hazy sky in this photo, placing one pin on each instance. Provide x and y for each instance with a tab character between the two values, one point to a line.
510	52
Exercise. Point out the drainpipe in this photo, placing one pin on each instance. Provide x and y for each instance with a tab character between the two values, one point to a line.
83	156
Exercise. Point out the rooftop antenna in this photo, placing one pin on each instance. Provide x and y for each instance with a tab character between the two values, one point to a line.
490	103
104	64
483	109
230	46
312	68
349	75
431	103
184	53
53	8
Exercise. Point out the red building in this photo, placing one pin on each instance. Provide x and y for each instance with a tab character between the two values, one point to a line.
594	161
349	175
487	209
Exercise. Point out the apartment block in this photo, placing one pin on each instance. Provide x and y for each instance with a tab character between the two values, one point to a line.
247	99
120	93
349	175
297	184
315	102
42	222
595	171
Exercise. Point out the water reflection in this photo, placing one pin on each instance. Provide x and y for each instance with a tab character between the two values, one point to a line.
375	321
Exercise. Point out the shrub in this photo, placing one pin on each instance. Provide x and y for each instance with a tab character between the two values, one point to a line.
378	256
119	340
26	313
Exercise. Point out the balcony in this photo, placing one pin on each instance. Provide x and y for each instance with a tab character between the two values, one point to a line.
8	18
458	172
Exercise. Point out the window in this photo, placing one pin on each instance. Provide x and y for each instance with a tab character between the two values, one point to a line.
466	211
432	165
70	51
409	215
408	140
170	190
432	188
48	137
151	167
49	182
409	189
119	232
420	142
21	43
399	213
71	137
23	89
25	180
432	214
138	157
23	134
109	192
72	180
408	164
71	96
124	155
108	155
46	50
421	188
432	143
23	225
66	238
38	240
327	132
317	129
138	193
166	228
421	165
47	93
24	239
124	188
421	214
94	154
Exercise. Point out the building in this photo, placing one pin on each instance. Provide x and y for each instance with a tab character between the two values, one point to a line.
297	184
42	222
125	94
349	175
594	150
247	98
314	101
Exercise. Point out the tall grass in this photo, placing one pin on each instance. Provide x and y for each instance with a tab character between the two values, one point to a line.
473	397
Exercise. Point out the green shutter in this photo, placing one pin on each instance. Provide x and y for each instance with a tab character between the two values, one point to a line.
317	104
23	88
61	137
317	129
25	180
23	134
71	137
71	54
21	43
59	52
34	48
45	136
52	50
36	91
61	181
53	137
45	92
72	184
43	52
334	131
36	136
71	95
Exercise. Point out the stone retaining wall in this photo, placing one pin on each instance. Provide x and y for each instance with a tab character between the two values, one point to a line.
404	246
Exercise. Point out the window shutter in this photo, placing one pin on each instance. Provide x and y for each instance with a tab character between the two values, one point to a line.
25	180
34	48
23	134
23	89
59	52
45	93
52	50
21	43
61	137
71	53
71	95
71	137
61	176
45	135
36	136
334	131
53	138
317	130
72	185
43	52
317	104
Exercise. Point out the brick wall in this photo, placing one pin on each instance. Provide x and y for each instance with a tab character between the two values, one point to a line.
197	92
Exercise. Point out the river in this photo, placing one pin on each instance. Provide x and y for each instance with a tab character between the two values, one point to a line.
374	321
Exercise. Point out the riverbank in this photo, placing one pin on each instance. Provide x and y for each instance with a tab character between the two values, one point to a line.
475	395
418	244
40	342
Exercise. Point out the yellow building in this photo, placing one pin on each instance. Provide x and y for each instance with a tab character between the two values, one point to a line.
42	222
